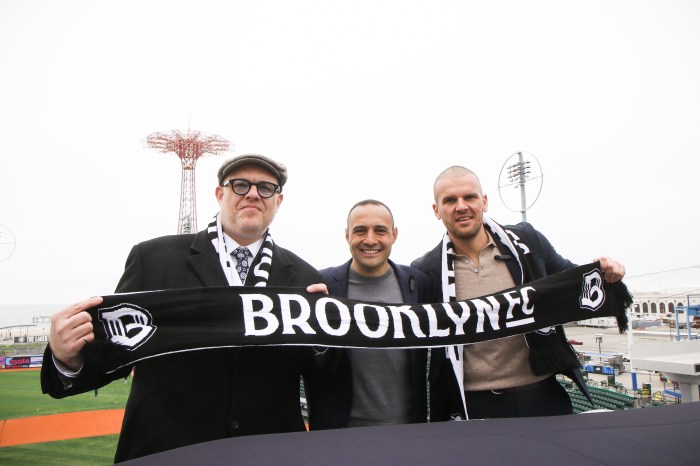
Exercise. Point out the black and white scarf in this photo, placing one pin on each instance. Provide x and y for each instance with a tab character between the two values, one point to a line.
261	263
133	327
449	293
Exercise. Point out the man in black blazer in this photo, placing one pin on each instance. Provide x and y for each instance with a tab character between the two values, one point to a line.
197	396
512	376
373	386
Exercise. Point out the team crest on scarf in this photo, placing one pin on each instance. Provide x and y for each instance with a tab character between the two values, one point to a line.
127	325
593	292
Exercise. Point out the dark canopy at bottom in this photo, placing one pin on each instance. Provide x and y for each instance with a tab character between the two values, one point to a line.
649	436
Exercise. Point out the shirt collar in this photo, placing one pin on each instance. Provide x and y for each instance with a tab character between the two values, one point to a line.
231	244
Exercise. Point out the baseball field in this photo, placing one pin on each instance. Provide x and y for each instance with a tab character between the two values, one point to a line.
37	429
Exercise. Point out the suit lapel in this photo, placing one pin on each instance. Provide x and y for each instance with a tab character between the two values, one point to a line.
339	284
205	261
408	289
282	269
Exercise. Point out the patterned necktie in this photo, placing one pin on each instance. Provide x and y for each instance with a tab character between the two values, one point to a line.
242	254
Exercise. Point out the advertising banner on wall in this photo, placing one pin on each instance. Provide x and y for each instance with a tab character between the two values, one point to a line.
31	339
23	362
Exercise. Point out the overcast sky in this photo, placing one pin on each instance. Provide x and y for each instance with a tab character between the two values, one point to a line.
360	99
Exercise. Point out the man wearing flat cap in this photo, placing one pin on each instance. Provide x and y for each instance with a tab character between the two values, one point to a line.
191	397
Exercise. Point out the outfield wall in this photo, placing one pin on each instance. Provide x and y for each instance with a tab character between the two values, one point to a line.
20	362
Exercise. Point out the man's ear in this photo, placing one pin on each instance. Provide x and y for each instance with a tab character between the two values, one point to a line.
279	201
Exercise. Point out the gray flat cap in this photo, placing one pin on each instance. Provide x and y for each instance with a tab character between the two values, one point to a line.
276	168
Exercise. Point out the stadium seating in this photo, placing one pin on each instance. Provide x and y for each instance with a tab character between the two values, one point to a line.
603	398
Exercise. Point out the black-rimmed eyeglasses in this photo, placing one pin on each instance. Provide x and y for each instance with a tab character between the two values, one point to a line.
265	188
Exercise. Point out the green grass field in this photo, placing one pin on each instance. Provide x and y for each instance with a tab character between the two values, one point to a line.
78	452
20	396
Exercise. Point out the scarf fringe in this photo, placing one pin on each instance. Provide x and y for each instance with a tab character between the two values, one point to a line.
545	361
625	300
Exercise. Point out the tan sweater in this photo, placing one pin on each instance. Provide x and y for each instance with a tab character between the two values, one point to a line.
494	364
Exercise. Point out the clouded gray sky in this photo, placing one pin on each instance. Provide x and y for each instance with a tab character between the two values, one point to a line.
360	99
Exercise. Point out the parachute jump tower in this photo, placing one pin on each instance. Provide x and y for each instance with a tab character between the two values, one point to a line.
189	147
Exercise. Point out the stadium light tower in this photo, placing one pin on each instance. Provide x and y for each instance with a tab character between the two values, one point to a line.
189	147
520	169
518	173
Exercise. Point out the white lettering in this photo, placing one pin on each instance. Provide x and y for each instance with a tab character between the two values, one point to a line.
518	323
434	331
512	302
288	322
527	309
491	312
457	319
322	318
382	328
250	314
396	312
516	241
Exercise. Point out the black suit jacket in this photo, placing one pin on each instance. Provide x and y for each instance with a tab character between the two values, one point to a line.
197	396
333	398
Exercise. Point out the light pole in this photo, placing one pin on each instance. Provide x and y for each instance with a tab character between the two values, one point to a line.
518	173
519	170
630	339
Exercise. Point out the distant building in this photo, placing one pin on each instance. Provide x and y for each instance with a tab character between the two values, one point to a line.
662	305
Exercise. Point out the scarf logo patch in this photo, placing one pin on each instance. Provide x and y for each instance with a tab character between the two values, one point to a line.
592	293
127	325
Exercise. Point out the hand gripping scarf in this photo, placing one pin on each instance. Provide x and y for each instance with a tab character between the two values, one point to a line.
133	327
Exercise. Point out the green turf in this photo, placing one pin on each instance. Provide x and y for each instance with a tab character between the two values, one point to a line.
85	451
20	396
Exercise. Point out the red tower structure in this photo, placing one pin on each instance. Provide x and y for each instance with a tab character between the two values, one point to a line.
189	147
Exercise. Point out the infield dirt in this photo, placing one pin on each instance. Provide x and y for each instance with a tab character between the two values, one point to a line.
39	429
